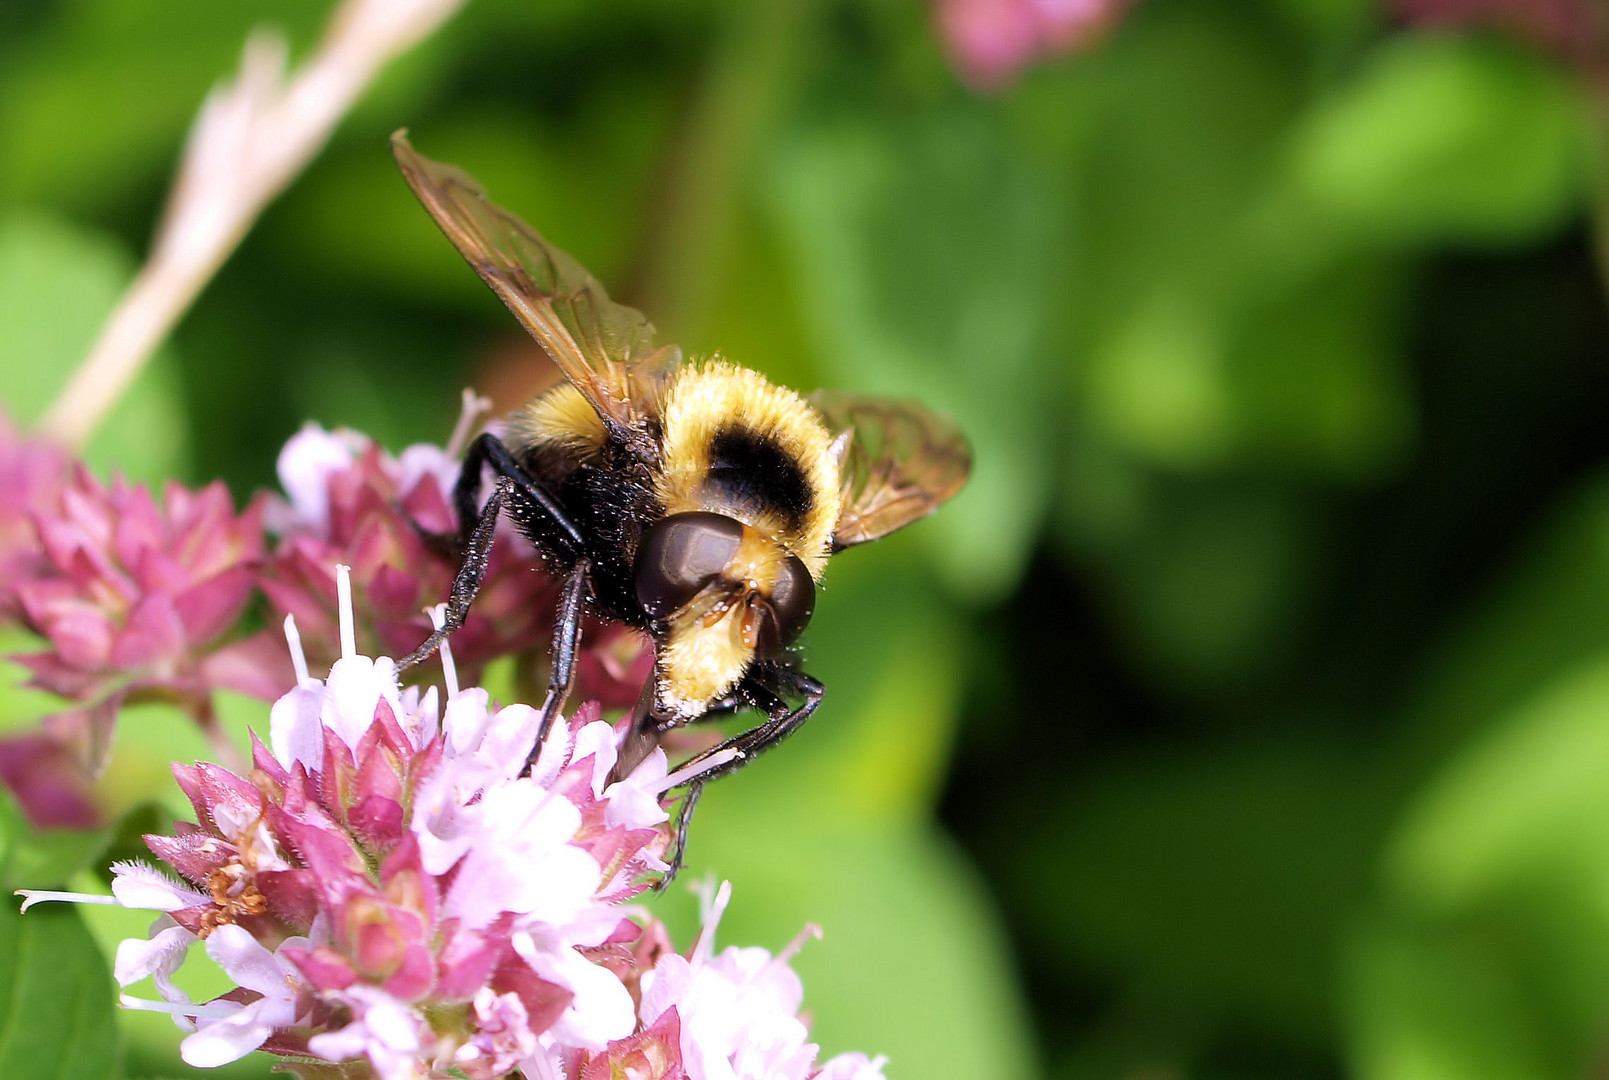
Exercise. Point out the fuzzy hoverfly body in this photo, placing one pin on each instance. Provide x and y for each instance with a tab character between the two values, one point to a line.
696	502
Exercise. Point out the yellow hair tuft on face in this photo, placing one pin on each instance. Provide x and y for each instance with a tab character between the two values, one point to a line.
707	399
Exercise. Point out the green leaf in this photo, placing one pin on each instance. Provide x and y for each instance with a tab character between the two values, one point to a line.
50	856
99	97
1440	1009
56	994
1491	956
954	317
1225	320
58	283
1440	137
1524	802
1218	879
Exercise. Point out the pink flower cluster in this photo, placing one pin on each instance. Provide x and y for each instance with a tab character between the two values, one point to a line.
992	41
391	888
133	594
138	597
350	502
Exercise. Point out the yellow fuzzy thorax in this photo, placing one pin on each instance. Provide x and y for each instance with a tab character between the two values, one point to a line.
703	400
561	418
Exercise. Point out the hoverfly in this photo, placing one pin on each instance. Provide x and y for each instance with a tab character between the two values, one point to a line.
696	502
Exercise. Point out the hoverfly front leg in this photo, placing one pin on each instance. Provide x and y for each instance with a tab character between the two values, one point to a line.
741	749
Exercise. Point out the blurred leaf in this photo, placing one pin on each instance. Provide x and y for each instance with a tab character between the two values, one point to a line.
1491	957
57	285
1221	877
1526	799
56	1017
1204	594
150	738
1441	137
953	316
1225	322
20	706
1541	618
1440	1009
100	95
48	857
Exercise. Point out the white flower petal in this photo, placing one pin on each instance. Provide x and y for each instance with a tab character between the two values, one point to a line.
305	466
633	803
555	753
295	730
465	721
161	956
218	1042
601	1009
597	739
664	986
138	885
853	1066
511	735
349	1042
355	688
248	962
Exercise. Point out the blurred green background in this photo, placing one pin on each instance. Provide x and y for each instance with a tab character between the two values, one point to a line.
1248	715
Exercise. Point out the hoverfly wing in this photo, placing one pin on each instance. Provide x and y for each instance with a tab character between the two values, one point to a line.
898	462
606	349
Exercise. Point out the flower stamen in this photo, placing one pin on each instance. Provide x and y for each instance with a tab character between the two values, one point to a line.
293	639
449	670
343	598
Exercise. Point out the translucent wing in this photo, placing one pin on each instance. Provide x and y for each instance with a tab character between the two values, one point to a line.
606	349
899	462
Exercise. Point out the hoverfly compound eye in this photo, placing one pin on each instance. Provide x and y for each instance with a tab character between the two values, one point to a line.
793	599
679	556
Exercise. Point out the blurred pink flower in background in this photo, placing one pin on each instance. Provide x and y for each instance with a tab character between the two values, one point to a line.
132	595
48	782
992	41
32	475
1577	30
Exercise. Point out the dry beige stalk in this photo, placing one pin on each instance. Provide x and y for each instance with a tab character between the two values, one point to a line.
250	139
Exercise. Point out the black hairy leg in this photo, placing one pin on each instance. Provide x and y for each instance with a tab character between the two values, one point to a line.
549	526
537	513
761	690
566	638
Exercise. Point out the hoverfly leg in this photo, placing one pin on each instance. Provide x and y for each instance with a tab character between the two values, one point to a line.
543	511
471	572
537	513
743	748
678	853
739	750
566	637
